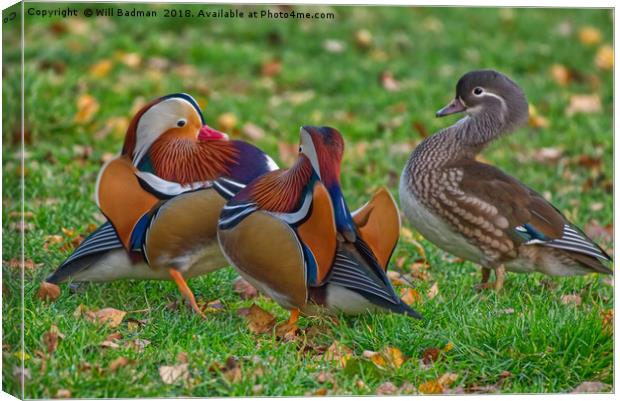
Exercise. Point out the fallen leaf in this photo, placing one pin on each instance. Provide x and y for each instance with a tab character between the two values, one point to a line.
430	355
447	379
394	357
388	81
109	316
114	336
589	35
17	264
259	320
433	291
48	291
338	352
211	306
586	104
51	337
101	68
323	377
131	60
63	393
535	120
430	387
321	391
410	296
174	373
374	357
182	357
139	344
592	387
226	122
245	290
387	388
449	346
363	39
333	46
571	299
118	363
608	320
109	344
271	68
605	58
253	131
561	74
87	106
548	155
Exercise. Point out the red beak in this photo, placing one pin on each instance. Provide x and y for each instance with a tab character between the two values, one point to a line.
210	134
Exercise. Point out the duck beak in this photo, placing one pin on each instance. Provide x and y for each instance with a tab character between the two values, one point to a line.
211	134
455	106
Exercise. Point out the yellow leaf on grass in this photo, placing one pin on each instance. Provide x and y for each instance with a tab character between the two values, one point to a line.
410	296
605	58
174	373
109	316
87	107
589	35
560	74
101	69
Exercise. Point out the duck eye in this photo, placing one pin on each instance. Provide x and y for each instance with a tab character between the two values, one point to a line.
300	149
478	91
181	123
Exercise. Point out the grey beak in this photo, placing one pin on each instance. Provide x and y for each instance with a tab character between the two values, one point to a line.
455	106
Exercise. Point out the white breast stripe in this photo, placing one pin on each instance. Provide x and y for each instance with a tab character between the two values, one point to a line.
300	214
168	187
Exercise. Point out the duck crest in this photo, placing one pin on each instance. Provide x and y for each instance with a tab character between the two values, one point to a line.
281	191
185	161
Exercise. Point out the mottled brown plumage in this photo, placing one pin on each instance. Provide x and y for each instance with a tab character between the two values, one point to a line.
476	211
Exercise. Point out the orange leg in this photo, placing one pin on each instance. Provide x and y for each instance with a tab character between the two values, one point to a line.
293	318
185	291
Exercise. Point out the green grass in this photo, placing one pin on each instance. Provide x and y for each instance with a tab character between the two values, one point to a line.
546	345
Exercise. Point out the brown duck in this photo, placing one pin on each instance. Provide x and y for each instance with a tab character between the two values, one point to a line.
477	212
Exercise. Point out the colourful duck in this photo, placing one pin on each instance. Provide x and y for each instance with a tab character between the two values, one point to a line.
476	211
162	198
290	233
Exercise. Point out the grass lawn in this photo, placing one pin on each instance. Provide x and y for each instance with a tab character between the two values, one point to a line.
86	77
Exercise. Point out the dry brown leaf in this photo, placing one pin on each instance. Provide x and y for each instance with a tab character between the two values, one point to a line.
17	264
571	299
535	120
114	336
587	104
101	68
430	355
561	74
548	155
63	393
226	122
363	39
374	357
138	344
245	290
109	316
252	131
388	82
430	387
592	387
259	320
338	352
447	379
118	363
608	320
109	344
87	106
271	68
182	357
433	291
321	391
605	58
51	337
589	35
131	60
394	357
323	377
48	291
387	388
410	296
174	373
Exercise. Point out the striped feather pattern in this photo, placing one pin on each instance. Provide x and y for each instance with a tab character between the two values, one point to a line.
574	240
227	187
233	214
102	240
348	273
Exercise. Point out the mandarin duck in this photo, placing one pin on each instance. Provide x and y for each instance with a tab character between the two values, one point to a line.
162	198
479	213
291	235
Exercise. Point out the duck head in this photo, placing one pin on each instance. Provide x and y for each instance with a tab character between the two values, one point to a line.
324	147
488	92
168	137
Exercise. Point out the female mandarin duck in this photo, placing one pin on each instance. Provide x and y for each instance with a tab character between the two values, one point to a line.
290	233
477	212
162	197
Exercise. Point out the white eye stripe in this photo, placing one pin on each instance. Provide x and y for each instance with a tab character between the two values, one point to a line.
502	101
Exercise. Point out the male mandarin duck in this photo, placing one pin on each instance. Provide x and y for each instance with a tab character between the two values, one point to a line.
162	198
477	212
290	234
